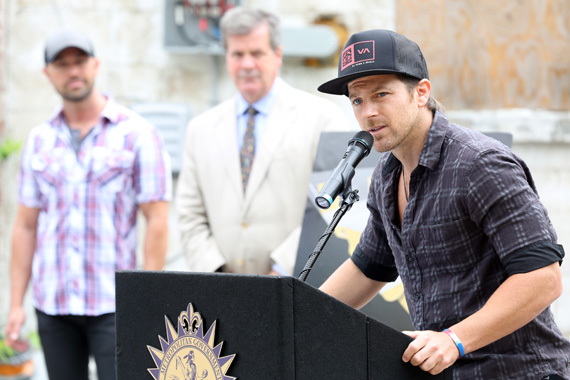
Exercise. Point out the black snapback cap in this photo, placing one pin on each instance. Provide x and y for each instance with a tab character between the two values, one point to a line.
64	39
375	52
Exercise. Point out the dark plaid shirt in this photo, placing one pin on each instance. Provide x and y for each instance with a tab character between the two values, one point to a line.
472	220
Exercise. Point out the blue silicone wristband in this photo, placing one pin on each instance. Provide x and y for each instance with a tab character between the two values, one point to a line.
456	341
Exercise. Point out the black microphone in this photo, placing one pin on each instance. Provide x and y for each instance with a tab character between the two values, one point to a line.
358	148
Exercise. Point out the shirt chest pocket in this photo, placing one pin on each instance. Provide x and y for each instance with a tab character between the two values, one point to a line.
449	246
111	170
50	170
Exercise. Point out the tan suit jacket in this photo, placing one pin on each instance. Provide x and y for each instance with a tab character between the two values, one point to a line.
219	225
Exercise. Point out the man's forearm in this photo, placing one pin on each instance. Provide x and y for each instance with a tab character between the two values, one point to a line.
156	236
349	285
24	238
155	245
520	299
515	303
23	247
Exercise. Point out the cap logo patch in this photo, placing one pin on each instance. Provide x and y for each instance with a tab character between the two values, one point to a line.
357	52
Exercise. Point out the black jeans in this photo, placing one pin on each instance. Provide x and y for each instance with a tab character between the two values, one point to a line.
69	340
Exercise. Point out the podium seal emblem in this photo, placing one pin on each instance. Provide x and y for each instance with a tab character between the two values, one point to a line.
189	354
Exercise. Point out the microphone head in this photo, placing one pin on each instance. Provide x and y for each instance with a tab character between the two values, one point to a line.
365	138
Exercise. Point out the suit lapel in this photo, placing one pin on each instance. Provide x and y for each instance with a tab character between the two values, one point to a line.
226	152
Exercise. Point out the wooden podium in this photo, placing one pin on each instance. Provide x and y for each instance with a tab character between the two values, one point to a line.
277	328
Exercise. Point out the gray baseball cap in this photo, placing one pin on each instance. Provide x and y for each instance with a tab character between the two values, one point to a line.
375	52
64	39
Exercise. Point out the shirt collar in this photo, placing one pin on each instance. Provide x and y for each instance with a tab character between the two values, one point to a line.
111	113
431	152
264	104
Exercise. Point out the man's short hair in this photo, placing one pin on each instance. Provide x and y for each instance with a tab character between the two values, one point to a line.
410	82
240	21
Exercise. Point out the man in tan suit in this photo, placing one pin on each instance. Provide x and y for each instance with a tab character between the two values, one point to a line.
234	217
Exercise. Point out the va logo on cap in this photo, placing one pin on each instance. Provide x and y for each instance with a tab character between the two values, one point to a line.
357	52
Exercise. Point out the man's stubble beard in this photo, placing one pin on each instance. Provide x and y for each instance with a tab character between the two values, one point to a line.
77	98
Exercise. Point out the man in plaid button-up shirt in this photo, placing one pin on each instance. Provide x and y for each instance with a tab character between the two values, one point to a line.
84	174
456	215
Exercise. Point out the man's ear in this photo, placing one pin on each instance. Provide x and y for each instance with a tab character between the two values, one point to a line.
279	54
423	91
97	65
47	74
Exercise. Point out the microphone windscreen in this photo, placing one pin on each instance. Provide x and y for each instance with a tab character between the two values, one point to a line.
363	137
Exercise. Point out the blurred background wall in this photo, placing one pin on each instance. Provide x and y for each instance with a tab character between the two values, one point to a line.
497	65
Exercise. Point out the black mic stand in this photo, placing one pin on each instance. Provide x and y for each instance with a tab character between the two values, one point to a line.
349	196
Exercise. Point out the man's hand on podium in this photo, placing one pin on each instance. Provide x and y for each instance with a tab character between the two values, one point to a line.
430	350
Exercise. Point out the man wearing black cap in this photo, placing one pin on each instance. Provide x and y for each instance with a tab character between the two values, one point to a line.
84	174
456	215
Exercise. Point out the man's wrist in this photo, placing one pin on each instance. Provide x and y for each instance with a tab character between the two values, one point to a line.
457	342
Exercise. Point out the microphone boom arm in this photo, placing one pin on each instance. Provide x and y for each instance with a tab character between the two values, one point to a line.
349	197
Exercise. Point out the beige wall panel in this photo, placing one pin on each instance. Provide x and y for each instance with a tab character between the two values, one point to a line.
493	53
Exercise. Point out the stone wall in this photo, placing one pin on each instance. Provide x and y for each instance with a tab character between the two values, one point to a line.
489	54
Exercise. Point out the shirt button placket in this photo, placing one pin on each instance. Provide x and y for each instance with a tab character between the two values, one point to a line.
415	277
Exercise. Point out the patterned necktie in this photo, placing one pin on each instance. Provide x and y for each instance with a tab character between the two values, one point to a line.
247	152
